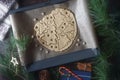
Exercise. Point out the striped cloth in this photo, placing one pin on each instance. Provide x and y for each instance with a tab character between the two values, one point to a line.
4	24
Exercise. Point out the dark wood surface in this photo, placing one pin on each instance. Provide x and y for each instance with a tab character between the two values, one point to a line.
3	77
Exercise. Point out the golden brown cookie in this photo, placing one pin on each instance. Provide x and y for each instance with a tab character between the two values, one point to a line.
57	30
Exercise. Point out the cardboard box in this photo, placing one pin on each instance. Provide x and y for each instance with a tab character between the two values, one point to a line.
33	58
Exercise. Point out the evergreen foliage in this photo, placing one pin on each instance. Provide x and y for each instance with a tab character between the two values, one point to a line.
7	68
106	65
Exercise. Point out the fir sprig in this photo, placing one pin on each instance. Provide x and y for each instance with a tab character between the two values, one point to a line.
7	68
107	28
23	42
98	12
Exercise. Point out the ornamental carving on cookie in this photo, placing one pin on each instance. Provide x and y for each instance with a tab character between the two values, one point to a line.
57	30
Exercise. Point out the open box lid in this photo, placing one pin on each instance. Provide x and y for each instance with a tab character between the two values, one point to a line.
34	59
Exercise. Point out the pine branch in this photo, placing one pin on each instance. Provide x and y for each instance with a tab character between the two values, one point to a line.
7	68
23	42
107	29
11	70
98	10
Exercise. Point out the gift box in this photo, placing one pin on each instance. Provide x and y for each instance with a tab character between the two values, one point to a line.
37	56
84	66
69	74
82	74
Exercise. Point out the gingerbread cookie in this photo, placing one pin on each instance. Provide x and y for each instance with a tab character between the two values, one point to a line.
57	30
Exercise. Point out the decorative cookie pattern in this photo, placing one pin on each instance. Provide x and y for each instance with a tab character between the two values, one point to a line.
57	30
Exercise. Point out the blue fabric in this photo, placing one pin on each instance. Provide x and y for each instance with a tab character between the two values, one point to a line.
82	74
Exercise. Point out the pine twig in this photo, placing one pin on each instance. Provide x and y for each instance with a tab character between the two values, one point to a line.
3	66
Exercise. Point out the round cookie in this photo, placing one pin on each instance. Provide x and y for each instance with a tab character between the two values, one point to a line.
57	30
